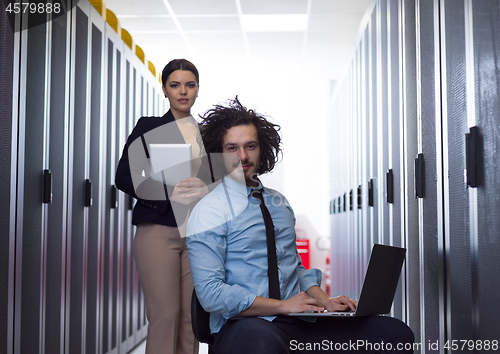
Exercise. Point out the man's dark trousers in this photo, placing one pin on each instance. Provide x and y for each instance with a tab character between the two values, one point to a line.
373	334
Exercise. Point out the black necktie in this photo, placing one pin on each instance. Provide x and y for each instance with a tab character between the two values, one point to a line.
272	263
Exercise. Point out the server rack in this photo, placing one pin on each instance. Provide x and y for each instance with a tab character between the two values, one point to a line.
426	104
482	36
71	93
9	91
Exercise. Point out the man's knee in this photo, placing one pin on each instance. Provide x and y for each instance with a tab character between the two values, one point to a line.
399	328
394	331
406	335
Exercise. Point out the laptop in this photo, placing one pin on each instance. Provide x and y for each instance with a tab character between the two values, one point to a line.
170	163
379	286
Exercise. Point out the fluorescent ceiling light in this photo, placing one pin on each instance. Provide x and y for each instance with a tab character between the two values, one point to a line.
274	23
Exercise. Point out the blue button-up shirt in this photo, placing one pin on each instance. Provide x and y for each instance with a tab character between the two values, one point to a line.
228	253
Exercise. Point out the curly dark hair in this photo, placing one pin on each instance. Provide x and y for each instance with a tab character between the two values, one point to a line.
216	122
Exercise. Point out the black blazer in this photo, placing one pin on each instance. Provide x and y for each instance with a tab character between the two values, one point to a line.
153	205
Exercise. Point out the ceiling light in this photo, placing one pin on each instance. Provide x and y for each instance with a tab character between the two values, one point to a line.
274	23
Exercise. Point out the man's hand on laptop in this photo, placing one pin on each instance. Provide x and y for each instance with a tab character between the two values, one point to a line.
332	304
340	303
301	303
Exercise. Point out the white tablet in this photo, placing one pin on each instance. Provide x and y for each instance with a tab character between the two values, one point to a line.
170	163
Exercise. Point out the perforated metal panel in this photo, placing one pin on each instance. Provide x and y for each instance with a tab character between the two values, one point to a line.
486	31
430	264
6	219
115	268
383	128
127	310
108	208
56	222
394	94
410	153
358	191
357	178
77	238
367	217
32	161
373	155
142	320
459	256
94	234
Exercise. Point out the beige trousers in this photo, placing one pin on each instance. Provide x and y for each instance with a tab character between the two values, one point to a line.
162	263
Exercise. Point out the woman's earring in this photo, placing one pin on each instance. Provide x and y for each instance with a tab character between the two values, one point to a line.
166	96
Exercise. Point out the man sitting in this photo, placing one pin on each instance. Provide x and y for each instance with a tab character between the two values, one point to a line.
228	254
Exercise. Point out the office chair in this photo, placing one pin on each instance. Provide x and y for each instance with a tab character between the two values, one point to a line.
200	321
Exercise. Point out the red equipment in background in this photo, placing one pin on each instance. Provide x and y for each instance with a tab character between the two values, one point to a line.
303	248
327	276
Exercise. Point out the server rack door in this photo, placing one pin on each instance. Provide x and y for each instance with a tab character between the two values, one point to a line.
78	209
95	194
486	243
139	322
141	325
358	204
148	106
360	181
111	244
337	260
154	94
383	123
456	195
350	179
410	149
127	340
117	286
8	128
118	232
367	215
106	257
373	126
137	325
336	253
354	173
31	213
55	285
394	138
429	116
155	98
355	178
134	304
344	250
333	195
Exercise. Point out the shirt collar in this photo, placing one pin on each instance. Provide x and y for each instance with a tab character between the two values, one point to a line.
240	188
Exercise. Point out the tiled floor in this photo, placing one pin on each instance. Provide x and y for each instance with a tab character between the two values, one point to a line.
142	348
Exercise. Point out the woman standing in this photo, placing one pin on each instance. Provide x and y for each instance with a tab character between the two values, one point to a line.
161	211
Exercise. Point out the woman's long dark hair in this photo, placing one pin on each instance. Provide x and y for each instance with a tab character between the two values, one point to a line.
216	122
